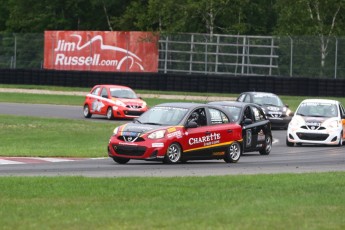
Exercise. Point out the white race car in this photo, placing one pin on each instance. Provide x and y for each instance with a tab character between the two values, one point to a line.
317	121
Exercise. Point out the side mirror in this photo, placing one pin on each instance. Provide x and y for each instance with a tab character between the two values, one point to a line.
191	124
286	105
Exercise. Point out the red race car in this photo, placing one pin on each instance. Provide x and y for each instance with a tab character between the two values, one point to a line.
177	132
113	101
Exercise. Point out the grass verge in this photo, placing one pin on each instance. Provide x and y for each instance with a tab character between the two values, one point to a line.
286	201
34	136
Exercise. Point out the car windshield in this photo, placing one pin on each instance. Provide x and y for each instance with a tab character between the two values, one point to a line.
234	112
163	116
267	99
316	109
122	93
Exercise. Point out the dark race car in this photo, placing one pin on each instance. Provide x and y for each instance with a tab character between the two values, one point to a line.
256	128
275	110
177	132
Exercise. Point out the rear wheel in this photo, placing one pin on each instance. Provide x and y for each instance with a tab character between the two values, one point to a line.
86	111
174	154
120	160
110	114
233	153
268	146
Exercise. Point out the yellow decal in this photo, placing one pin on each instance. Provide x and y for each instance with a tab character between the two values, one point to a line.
172	129
218	153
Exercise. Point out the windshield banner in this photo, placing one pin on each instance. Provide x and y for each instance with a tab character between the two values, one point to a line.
101	51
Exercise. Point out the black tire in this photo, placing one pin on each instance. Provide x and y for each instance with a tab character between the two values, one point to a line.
86	111
340	139
268	146
120	160
173	154
110	114
233	153
288	143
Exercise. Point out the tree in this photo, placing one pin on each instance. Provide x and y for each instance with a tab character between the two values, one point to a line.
311	17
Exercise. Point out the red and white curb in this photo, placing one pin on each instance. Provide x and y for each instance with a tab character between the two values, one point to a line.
35	160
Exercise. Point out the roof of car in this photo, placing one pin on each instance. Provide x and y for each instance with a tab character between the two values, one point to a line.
112	86
186	105
254	92
231	103
321	101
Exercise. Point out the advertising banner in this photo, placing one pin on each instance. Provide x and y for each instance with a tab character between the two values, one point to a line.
101	51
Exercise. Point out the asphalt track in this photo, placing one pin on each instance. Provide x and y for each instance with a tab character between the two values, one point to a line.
282	159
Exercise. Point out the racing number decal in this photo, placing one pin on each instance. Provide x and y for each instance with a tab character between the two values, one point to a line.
249	138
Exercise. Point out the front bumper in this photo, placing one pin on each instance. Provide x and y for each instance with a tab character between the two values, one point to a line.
313	137
132	150
282	122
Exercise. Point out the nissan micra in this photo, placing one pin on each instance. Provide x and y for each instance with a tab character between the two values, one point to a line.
317	121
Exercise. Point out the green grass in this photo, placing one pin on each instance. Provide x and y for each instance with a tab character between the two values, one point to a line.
286	201
47	137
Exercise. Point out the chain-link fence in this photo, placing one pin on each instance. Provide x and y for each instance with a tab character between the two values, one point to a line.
304	56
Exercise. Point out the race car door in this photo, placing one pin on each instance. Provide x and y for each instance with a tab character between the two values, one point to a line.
261	127
206	140
250	129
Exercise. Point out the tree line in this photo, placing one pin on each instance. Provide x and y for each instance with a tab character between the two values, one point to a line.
323	18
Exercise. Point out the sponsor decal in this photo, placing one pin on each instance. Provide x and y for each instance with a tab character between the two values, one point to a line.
170	130
177	134
157	145
211	139
218	153
101	51
248	137
97	105
127	143
261	135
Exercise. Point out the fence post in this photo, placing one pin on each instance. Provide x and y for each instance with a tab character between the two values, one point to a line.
15	52
243	54
166	55
191	54
291	55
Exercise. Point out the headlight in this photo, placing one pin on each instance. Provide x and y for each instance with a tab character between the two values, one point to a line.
288	112
115	130
331	124
120	103
295	123
144	104
157	134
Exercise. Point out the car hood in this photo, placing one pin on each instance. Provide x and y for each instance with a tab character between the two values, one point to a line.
314	120
272	108
129	101
136	129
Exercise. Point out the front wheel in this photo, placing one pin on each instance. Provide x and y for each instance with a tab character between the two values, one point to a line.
233	153
86	111
268	146
288	143
110	114
340	139
174	154
120	160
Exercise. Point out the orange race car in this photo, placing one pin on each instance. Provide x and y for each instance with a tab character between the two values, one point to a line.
113	101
